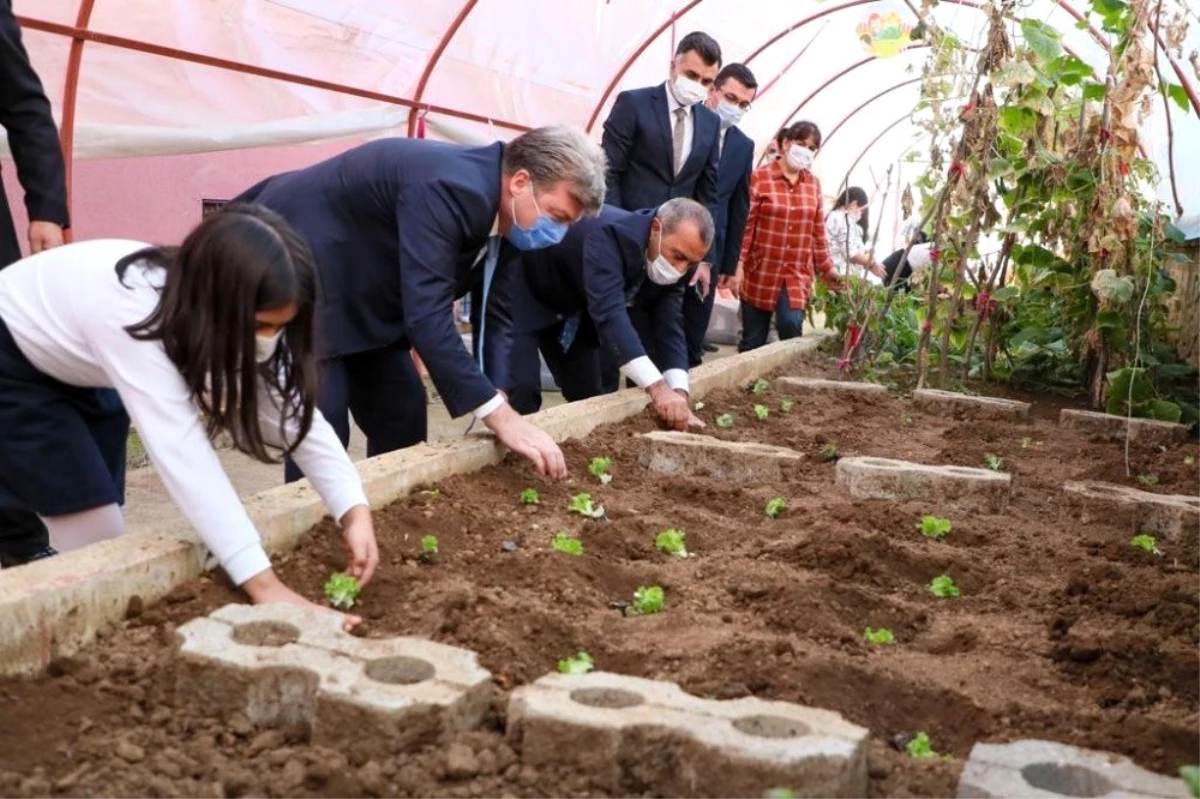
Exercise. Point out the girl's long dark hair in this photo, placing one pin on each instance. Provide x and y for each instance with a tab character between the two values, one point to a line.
240	260
856	194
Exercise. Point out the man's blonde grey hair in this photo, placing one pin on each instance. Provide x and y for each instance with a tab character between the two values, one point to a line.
676	211
556	153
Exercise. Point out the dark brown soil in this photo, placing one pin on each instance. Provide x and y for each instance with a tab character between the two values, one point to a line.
1064	630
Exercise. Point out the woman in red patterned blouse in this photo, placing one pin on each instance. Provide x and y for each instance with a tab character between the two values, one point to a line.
784	247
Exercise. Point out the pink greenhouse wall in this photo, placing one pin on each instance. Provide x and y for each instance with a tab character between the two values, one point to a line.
158	199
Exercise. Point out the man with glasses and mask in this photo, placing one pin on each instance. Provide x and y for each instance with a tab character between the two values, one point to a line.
615	283
730	97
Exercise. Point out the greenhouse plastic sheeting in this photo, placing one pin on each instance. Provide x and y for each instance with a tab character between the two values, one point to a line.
514	63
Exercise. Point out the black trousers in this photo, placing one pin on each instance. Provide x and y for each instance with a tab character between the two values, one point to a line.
696	315
383	391
577	371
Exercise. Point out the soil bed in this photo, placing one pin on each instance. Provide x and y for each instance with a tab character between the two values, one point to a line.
1064	630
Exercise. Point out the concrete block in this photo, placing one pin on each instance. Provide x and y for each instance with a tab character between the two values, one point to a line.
1048	769
966	406
962	486
295	669
1173	516
633	736
690	454
805	386
1107	426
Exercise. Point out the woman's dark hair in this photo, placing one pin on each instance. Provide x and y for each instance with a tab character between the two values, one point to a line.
240	260
855	194
802	131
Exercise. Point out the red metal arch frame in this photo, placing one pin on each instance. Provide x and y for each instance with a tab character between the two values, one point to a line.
435	57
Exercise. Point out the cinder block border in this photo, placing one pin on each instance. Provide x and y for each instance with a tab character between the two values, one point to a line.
53	607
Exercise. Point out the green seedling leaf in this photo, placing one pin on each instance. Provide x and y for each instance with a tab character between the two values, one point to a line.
906	417
581	663
671	541
761	386
342	589
1191	778
780	793
943	587
1147	543
921	748
786	405
429	545
761	412
647	600
582	504
530	497
1189	460
432	493
725	420
566	544
776	507
994	462
1148	479
934	526
830	453
881	636
599	467
699	406
1028	442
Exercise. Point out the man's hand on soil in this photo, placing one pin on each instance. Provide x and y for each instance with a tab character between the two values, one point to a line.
527	439
670	406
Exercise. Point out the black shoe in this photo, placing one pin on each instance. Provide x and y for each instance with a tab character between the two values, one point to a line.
9	560
710	347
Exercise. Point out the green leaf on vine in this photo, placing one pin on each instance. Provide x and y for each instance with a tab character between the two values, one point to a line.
1179	95
1093	91
1041	38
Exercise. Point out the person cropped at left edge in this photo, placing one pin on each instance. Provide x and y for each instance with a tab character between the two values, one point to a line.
400	229
614	285
213	335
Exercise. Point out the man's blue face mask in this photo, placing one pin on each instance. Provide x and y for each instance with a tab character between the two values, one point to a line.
545	232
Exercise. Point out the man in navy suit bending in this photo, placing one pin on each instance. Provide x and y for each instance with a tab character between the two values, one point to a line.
401	228
615	282
730	96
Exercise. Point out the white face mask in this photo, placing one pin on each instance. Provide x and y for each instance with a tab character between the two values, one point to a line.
730	114
854	215
265	346
800	157
660	271
687	91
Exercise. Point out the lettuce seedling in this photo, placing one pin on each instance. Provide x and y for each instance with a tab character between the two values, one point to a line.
761	386
342	589
776	507
530	497
921	748
881	636
761	412
647	600
786	405
1148	479
582	663
433	493
566	544
994	462
598	468
1147	543
725	420
1191	778
934	526
582	504
830	453
1028	442
781	793
699	406
943	586
671	542
429	546
1189	460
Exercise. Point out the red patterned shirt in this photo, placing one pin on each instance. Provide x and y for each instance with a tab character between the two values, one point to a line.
785	239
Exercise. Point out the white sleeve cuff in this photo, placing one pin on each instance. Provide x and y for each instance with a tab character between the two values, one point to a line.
677	379
246	563
487	408
642	371
919	257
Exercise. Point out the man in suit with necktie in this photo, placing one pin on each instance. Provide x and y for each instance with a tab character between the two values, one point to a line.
730	97
33	141
400	227
615	282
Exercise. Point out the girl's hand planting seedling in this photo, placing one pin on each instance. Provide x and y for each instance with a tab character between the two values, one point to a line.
725	421
934	526
761	412
671	542
1146	543
647	600
776	507
566	544
341	590
943	587
582	504
598	468
530	497
582	663
881	636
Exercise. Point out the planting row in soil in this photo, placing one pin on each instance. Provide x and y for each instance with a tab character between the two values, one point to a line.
1063	629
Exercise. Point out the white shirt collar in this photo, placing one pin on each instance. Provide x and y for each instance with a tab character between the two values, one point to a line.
673	105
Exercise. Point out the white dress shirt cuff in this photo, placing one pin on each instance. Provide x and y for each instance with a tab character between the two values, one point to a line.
677	379
642	371
487	408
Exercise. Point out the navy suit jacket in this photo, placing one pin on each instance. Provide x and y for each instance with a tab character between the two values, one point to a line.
599	269
397	226
733	200
641	155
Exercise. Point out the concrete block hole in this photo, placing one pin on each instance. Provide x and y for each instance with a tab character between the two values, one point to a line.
771	727
613	698
266	633
400	670
1067	779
